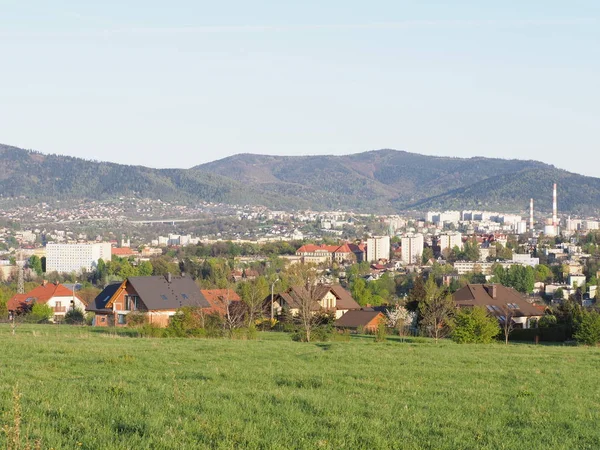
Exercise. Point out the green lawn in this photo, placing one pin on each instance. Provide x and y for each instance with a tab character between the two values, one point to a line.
84	389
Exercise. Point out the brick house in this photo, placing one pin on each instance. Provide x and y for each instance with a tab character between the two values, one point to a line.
157	297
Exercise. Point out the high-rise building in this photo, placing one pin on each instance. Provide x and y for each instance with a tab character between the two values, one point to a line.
67	258
412	248
378	247
447	241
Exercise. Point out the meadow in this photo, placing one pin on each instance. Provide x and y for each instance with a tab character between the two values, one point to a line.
75	387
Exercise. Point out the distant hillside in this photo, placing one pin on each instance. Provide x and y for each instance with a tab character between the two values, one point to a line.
377	181
386	180
40	176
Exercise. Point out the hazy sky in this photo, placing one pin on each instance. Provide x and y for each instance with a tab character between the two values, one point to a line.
175	84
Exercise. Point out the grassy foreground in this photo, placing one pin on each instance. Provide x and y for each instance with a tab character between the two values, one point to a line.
84	389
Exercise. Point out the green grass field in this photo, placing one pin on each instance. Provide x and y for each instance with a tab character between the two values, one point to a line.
84	389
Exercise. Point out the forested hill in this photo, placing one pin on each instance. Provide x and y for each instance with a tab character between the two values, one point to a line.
377	181
396	180
39	176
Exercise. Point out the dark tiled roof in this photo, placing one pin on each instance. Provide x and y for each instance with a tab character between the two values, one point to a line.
344	298
103	297
157	293
483	295
355	319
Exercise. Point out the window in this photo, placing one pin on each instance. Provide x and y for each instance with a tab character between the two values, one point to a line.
164	297
512	306
131	302
185	297
121	319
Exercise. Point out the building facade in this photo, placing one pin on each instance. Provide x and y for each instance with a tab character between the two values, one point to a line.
67	258
378	247
412	248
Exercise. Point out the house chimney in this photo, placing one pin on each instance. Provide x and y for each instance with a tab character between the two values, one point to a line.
494	291
44	282
169	277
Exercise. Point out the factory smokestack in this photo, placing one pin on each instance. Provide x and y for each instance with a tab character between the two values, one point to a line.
531	216
554	208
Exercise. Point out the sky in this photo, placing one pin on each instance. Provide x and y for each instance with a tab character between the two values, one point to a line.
180	83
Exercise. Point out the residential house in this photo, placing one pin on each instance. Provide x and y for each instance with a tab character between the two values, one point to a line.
360	319
501	302
220	300
54	295
157	297
327	298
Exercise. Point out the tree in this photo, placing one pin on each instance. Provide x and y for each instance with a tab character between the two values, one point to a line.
75	316
588	330
543	273
427	255
416	294
508	324
436	310
474	325
305	277
35	263
360	292
40	313
145	269
398	317
253	293
471	250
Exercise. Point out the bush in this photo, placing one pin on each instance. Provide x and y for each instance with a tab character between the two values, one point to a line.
341	335
252	333
136	319
266	324
240	334
547	321
89	318
474	325
322	333
185	322
75	317
381	332
151	330
552	334
588	330
214	326
40	313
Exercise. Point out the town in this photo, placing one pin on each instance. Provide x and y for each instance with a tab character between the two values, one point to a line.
369	269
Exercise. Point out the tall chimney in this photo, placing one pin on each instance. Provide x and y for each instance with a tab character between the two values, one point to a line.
531	216
554	208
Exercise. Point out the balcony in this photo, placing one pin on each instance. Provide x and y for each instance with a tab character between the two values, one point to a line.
60	309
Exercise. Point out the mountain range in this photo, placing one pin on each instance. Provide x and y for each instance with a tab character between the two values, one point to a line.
380	181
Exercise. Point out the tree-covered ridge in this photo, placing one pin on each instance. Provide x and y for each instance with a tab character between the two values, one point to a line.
381	181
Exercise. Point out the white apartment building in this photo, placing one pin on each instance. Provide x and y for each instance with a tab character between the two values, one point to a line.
525	260
412	248
378	247
449	241
442	217
67	258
